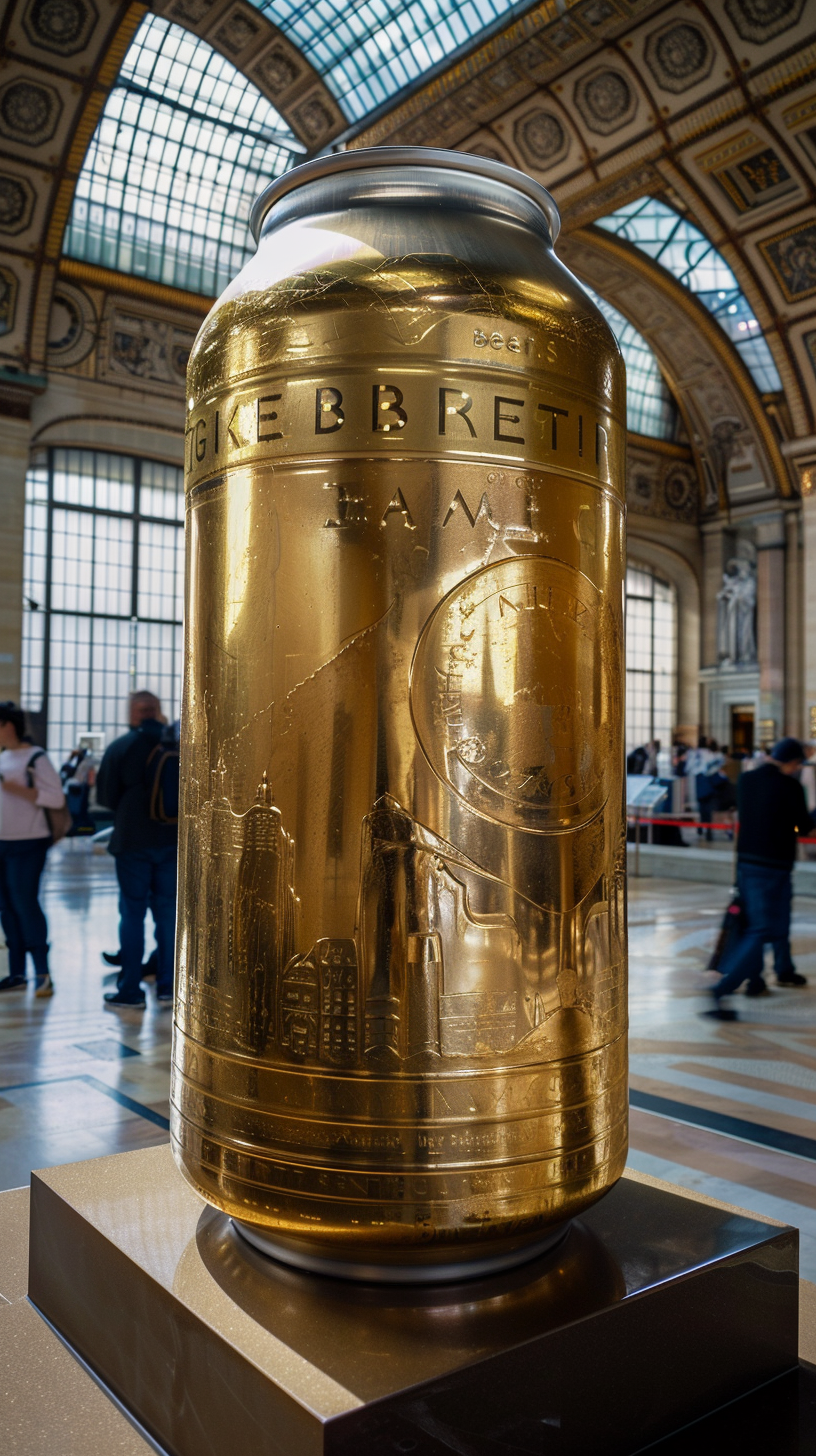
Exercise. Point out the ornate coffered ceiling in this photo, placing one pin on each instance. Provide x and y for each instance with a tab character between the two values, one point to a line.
712	105
58	62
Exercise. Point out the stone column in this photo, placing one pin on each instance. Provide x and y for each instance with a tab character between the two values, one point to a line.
795	723
770	539
809	594
712	533
15	433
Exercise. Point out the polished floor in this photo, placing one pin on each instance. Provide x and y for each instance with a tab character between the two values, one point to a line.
728	1109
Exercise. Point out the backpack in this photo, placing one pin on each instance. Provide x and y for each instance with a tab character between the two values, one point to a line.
59	820
162	776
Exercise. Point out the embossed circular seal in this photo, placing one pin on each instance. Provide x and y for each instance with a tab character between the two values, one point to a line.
511	693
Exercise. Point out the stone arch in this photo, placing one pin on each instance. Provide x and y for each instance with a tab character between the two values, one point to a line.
745	167
728	428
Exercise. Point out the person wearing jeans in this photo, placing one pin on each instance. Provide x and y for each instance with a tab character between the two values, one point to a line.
147	881
772	813
145	852
29	785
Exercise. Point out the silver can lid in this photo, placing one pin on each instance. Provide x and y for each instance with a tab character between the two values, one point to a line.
368	157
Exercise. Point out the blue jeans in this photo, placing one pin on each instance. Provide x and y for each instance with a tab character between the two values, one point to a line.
147	881
766	894
24	925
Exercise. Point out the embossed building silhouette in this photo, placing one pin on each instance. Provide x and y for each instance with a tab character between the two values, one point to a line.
263	915
424	974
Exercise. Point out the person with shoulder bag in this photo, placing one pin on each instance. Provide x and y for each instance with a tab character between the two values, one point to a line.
33	815
773	815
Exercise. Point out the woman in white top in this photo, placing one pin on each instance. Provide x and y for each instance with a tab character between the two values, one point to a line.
29	785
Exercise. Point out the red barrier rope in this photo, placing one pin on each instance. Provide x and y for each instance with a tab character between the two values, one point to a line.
730	824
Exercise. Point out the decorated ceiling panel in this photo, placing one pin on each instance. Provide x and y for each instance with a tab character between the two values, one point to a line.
710	108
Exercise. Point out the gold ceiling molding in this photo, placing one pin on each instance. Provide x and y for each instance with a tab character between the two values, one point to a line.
789	74
611	192
86	126
533	50
112	282
673	448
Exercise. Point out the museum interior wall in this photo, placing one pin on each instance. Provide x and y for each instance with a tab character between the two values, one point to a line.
679	141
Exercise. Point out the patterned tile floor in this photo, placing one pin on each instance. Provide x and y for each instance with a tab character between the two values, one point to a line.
725	1108
76	1080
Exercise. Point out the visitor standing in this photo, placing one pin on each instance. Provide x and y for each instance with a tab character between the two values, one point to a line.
29	785
772	813
145	850
710	786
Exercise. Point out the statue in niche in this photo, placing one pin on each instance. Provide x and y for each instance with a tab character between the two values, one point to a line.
736	613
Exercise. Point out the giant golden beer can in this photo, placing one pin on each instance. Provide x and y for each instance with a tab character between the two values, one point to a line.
401	1014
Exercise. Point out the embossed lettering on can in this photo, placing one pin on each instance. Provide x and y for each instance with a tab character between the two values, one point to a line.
401	1009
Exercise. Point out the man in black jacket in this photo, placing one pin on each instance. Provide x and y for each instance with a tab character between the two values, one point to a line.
145	852
772	813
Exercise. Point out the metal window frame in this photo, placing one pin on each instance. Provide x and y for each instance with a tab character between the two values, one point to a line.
308	26
159	248
134	619
642	672
763	370
629	337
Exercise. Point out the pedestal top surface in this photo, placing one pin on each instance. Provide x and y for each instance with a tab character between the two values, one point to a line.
380	1339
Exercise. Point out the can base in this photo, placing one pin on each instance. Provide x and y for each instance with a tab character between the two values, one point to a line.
375	1273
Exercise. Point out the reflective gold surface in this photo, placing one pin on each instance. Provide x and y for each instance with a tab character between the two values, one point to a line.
401	998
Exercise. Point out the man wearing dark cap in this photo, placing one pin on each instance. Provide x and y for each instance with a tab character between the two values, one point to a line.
772	813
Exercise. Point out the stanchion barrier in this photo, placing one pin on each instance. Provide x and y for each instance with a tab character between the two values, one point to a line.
731	825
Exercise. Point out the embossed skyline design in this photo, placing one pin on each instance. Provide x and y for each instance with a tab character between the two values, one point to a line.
243	873
425	979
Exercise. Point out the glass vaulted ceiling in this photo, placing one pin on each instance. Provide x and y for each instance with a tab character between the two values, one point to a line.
186	142
368	50
685	251
184	145
650	409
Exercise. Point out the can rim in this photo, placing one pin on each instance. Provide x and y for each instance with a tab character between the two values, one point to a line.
367	157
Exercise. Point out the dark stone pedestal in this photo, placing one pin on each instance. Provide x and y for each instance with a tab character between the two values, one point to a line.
779	1419
655	1311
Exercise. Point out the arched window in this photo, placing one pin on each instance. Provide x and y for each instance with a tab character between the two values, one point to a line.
650	409
103	589
369	50
183	147
680	247
651	657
